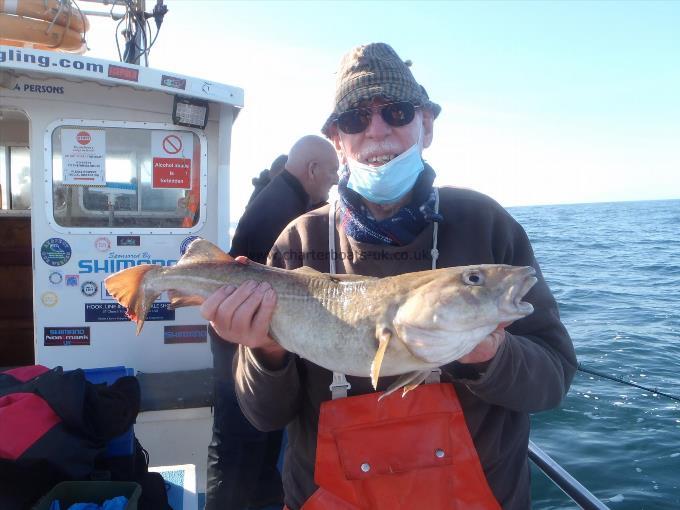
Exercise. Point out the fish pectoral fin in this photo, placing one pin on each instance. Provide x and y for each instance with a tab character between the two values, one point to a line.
384	335
201	250
408	381
178	300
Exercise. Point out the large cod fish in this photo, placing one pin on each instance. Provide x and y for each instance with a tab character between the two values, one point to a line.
404	325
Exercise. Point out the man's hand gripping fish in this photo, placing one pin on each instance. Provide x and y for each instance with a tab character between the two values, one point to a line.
405	325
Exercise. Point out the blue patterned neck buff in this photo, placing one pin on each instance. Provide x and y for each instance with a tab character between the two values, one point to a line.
398	230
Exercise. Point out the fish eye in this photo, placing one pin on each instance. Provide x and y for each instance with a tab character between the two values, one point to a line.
473	278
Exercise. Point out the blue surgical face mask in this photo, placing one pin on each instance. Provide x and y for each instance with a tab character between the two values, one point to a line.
389	182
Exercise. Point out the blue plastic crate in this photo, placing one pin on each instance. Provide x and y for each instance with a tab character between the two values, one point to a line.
107	375
123	444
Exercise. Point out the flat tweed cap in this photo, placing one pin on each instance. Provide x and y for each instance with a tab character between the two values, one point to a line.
375	70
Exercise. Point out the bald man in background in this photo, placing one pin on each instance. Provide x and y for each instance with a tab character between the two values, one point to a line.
242	471
309	173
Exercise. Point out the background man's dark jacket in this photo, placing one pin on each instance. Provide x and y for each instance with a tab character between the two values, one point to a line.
259	183
279	203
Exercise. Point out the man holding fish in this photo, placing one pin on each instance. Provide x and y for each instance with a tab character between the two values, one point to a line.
471	357
361	452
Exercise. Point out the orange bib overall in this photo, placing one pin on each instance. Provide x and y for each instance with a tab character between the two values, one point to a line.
407	453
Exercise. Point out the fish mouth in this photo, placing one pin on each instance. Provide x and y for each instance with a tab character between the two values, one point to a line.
514	302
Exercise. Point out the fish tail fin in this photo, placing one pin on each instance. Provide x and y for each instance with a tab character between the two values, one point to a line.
129	288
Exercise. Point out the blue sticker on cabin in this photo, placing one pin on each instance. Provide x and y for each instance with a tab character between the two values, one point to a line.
55	251
113	312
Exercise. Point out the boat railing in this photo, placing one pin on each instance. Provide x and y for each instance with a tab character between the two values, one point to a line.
567	483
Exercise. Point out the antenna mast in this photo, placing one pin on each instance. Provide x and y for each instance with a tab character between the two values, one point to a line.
133	26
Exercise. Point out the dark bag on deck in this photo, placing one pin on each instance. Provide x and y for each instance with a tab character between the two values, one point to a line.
54	426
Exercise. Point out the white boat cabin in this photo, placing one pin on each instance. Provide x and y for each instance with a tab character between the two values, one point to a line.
105	165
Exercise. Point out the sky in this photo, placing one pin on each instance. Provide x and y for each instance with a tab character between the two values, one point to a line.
542	102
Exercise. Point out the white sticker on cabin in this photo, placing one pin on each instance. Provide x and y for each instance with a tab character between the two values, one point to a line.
171	152
84	156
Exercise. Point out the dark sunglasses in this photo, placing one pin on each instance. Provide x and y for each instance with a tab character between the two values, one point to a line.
357	120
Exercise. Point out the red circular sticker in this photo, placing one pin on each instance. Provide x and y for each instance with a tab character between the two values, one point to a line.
83	138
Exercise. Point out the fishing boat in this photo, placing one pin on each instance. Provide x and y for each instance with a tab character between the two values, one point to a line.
105	165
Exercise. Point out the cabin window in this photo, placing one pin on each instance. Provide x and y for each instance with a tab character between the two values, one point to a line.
15	161
126	177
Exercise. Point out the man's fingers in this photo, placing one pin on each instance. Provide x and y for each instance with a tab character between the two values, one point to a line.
227	307
242	260
243	315
210	305
263	315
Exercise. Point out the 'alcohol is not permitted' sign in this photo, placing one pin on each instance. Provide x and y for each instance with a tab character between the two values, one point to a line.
171	152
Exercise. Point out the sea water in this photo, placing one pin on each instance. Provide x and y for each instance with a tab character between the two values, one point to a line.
614	269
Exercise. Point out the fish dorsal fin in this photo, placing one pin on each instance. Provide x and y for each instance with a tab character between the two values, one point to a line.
201	250
308	271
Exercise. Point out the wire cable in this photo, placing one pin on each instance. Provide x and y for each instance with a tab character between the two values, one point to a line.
136	26
83	19
120	56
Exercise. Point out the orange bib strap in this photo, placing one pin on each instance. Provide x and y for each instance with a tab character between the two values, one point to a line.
399	453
